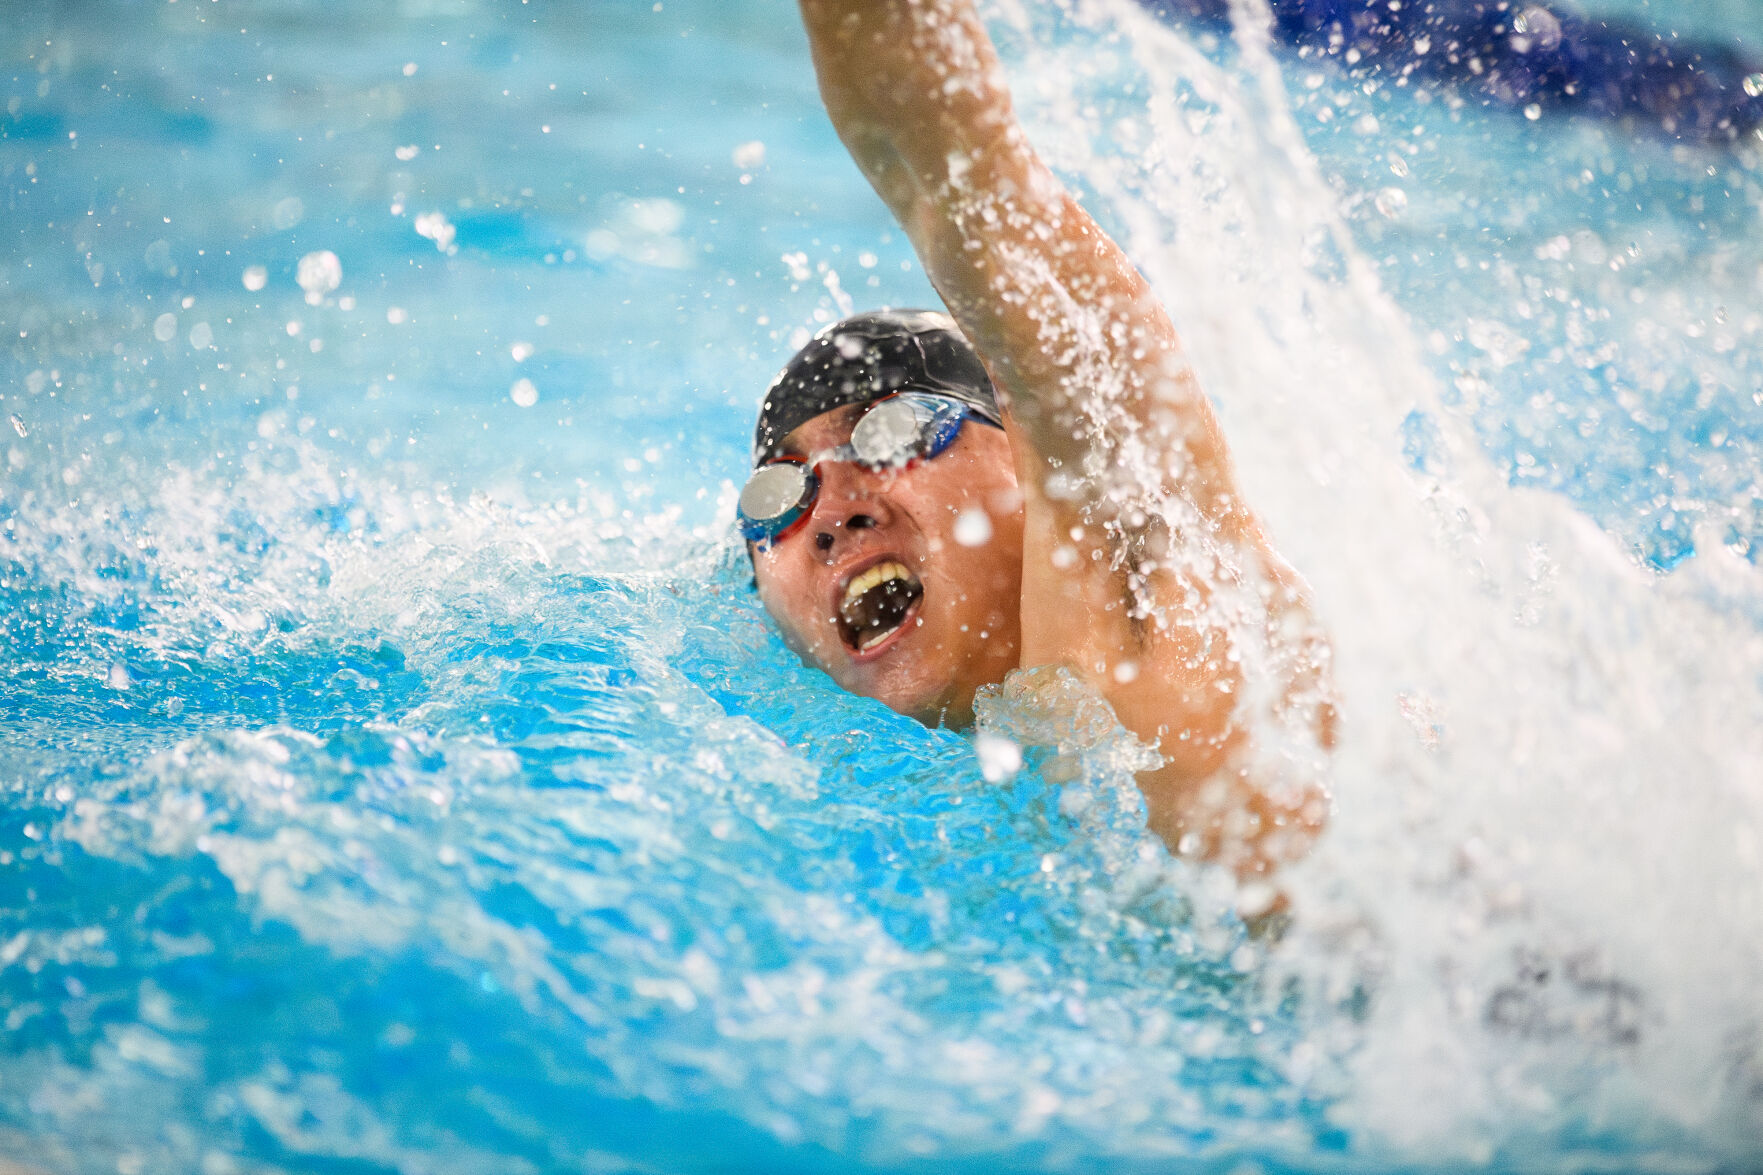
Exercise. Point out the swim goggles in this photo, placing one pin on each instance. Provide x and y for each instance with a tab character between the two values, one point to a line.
894	432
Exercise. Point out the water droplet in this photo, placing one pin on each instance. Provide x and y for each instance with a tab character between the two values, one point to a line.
158	257
1255	898
999	757
287	213
959	163
797	265
434	226
524	393
255	277
973	527
165	327
1534	111
18	425
750	155
1391	202
318	274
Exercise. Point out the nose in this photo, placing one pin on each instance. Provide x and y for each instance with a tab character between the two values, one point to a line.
851	498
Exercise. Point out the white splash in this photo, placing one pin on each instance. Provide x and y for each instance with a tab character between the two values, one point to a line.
1543	867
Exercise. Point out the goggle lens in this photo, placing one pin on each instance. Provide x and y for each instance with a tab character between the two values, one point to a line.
895	431
774	497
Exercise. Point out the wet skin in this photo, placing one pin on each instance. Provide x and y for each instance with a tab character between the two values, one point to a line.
965	631
1160	610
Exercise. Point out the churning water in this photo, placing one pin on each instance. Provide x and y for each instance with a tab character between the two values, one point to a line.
400	776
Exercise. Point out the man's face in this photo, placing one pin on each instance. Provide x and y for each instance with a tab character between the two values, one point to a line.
925	641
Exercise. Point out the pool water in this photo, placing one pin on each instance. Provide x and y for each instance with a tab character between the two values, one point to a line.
400	774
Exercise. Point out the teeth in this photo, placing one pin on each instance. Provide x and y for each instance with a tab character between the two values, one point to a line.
874	577
875	640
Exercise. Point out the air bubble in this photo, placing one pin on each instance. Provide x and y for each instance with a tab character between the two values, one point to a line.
165	327
1754	85
18	425
255	277
524	393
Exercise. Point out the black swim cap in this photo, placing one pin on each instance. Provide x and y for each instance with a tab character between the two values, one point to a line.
866	357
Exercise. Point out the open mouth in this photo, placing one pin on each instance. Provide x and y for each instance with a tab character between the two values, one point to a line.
876	603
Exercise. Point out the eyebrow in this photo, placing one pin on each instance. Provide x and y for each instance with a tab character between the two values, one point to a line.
847	416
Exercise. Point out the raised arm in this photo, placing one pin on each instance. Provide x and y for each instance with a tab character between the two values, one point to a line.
1052	305
1142	570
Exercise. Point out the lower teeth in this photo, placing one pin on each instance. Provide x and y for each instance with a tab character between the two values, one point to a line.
877	639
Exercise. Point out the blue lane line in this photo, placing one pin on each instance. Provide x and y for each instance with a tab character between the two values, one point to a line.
1520	54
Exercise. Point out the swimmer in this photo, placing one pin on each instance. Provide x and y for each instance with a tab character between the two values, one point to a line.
1034	479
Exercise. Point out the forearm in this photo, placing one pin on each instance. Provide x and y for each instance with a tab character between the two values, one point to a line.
906	83
1059	314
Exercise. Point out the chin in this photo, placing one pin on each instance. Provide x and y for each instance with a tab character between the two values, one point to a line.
956	714
947	704
936	698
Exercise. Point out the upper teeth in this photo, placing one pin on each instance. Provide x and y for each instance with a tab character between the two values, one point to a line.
874	577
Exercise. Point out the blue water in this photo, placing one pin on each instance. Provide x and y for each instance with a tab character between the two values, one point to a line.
399	774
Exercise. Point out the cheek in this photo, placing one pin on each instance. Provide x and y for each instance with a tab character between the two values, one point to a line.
774	594
792	611
981	520
977	546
